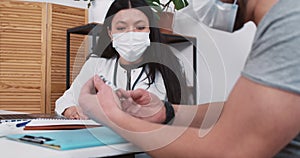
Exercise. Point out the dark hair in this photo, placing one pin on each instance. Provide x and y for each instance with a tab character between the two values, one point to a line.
158	57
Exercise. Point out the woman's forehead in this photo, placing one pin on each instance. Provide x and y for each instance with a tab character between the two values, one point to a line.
130	15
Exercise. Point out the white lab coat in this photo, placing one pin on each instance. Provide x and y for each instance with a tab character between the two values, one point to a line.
106	67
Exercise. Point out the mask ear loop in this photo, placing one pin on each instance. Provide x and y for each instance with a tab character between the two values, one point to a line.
235	1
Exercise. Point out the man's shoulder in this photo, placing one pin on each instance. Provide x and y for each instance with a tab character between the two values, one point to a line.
278	25
282	12
274	58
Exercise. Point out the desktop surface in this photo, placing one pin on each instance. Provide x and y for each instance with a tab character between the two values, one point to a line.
13	149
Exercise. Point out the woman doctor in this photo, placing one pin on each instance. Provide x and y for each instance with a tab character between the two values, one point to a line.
130	55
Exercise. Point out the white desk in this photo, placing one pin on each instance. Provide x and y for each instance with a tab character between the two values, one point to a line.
14	149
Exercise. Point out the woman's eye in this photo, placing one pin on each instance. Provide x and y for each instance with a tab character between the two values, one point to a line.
140	28
121	28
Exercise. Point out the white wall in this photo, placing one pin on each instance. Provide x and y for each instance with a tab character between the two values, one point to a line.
221	55
72	3
98	10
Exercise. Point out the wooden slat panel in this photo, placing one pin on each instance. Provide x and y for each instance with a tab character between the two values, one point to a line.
22	56
70	11
62	18
26	55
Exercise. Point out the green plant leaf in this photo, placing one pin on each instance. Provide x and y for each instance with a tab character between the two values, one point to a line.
159	7
154	2
179	4
186	3
157	1
156	6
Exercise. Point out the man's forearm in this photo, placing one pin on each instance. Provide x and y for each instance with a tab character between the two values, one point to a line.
184	112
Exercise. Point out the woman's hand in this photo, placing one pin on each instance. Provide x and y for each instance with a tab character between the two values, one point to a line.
105	105
74	112
142	104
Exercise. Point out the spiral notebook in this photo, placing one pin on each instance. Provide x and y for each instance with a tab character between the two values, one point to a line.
48	121
10	117
59	124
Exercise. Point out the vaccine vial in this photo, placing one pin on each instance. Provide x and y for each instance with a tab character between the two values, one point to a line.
108	82
114	88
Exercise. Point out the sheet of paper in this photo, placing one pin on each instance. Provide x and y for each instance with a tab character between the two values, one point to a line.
49	122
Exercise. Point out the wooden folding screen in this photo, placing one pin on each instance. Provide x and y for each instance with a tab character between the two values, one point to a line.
22	56
62	18
32	53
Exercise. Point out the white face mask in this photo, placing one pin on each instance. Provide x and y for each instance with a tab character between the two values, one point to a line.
217	14
131	45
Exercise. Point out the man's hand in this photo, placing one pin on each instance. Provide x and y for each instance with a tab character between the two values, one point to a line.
142	104
74	112
101	106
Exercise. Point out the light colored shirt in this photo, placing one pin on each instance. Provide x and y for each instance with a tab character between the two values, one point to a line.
275	56
106	67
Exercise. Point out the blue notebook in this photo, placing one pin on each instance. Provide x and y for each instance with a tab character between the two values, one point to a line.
71	139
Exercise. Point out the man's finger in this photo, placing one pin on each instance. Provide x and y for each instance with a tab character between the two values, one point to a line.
98	82
88	86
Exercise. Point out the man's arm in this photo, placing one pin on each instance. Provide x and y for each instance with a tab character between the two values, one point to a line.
198	114
145	105
256	121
